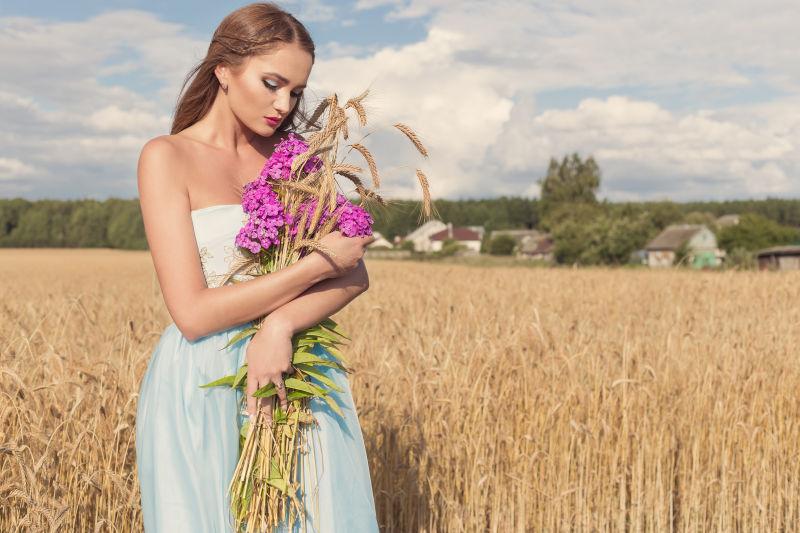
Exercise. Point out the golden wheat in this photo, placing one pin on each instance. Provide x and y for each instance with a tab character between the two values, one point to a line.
373	167
490	399
412	136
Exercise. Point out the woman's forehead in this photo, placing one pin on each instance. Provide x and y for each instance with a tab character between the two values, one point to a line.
289	61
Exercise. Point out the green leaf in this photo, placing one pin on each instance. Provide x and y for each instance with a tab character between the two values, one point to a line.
301	358
278	483
316	374
330	324
274	471
298	395
278	415
322	335
330	401
305	341
241	376
227	380
266	391
299	384
241	335
336	353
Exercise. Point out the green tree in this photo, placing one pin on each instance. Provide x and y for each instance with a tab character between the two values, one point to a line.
569	182
125	225
754	232
664	213
88	224
604	239
10	213
502	245
450	247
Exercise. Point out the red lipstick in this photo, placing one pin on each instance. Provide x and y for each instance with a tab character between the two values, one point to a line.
273	121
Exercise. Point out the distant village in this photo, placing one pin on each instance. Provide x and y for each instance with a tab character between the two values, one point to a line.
690	245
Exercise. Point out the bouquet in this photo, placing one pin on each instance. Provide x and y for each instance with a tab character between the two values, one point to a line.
291	204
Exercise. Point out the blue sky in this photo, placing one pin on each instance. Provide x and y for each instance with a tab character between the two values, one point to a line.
684	101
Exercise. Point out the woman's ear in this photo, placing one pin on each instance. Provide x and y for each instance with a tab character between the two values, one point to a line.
222	72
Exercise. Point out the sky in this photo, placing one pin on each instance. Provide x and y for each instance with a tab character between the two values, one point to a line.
674	100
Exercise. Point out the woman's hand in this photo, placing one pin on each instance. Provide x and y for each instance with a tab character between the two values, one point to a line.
269	355
348	250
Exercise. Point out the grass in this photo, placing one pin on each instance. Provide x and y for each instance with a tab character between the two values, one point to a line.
491	399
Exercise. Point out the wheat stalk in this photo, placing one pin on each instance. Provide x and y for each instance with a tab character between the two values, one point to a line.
408	132
373	167
426	192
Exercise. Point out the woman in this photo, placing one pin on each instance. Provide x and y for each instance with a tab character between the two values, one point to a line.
242	101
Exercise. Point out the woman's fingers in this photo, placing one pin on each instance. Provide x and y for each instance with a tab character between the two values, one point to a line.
281	393
266	408
252	386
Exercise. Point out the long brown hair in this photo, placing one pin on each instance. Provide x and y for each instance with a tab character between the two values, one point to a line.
250	30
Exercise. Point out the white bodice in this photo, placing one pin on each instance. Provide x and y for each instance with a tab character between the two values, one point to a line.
215	229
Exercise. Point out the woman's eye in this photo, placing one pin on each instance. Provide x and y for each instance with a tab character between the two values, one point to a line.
271	87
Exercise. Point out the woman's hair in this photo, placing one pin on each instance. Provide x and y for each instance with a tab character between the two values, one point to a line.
250	30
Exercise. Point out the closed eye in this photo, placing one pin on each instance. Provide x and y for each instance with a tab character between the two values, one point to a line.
268	84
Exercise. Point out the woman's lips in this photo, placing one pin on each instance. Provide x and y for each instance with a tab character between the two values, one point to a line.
272	121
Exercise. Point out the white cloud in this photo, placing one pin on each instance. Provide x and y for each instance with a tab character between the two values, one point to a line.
14	168
311	10
61	115
469	89
641	143
363	5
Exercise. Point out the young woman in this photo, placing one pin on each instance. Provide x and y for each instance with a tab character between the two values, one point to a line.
242	100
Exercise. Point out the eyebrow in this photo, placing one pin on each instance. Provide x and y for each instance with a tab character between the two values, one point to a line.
284	80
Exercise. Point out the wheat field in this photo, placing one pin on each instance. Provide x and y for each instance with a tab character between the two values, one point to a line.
494	399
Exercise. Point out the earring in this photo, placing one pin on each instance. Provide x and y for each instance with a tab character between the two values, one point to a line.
225	89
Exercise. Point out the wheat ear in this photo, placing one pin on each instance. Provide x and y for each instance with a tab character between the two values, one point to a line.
373	167
408	132
426	192
355	103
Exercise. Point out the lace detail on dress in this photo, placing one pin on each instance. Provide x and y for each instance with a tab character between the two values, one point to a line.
215	229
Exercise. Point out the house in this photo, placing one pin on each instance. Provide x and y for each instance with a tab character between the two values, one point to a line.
516	234
379	242
727	220
467	237
421	237
477	229
536	247
779	258
699	243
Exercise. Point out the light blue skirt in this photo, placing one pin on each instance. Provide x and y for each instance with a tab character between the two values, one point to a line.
187	444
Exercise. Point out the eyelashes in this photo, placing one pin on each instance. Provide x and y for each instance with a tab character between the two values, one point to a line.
274	88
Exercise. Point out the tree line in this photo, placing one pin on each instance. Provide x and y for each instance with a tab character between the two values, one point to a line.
585	229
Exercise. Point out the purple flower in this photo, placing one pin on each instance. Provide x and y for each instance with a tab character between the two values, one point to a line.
268	220
279	164
266	216
354	221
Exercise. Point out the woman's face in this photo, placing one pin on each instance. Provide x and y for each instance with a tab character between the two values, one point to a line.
267	86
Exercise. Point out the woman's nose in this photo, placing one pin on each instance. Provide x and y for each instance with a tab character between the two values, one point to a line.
282	103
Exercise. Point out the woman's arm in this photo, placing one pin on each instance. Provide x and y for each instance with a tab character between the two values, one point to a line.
319	302
196	309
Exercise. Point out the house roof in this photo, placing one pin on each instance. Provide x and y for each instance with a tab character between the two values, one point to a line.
424	229
728	220
459	234
779	250
517	234
532	245
674	236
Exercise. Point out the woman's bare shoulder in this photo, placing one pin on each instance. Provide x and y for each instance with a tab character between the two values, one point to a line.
161	167
164	148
